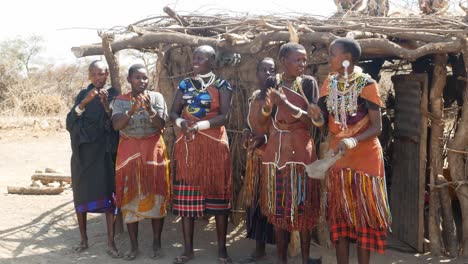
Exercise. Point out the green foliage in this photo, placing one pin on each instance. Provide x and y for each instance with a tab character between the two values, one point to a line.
18	53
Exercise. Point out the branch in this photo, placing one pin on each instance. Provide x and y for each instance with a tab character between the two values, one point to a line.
144	42
385	47
151	40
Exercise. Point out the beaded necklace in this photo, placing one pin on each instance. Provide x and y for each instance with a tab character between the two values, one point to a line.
343	95
296	85
204	85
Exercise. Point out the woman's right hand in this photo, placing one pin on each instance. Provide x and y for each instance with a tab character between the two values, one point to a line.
137	102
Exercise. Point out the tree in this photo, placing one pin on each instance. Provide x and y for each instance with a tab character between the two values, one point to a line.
17	54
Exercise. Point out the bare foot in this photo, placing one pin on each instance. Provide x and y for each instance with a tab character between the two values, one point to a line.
157	253
113	252
82	246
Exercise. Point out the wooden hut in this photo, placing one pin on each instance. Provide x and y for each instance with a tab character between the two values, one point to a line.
422	48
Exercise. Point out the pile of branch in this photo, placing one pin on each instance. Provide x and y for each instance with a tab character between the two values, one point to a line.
405	37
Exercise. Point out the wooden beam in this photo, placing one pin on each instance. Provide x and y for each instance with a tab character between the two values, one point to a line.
457	161
437	131
370	47
386	48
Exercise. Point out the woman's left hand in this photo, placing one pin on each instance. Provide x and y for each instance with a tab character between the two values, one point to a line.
277	96
146	101
313	111
340	148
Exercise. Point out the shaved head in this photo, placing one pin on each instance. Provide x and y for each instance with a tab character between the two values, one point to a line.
208	50
97	64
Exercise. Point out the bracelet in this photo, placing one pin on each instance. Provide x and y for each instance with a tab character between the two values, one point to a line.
265	113
126	113
266	138
202	125
350	142
320	122
179	121
299	113
78	110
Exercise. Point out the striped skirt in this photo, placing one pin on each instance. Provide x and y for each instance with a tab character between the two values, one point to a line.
188	201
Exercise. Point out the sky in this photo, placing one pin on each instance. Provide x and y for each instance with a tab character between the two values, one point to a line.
65	24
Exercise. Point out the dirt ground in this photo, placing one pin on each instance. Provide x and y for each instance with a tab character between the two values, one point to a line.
42	229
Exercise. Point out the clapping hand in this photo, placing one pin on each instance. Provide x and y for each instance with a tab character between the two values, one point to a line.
313	111
276	96
136	105
89	97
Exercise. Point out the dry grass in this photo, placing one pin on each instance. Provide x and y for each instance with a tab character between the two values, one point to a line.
47	92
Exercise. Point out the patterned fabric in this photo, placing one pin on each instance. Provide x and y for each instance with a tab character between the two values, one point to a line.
198	101
144	207
356	190
142	177
189	202
365	237
98	206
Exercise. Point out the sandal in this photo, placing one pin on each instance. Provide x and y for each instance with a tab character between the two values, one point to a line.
182	259
226	260
114	253
131	255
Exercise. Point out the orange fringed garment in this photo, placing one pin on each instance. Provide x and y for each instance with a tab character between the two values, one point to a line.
142	168
253	169
205	161
356	184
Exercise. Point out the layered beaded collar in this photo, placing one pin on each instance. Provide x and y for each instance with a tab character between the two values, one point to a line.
343	94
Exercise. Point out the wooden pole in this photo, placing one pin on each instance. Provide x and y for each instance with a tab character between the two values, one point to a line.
437	132
457	160
449	229
112	60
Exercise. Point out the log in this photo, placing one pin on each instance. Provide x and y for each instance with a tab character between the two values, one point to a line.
456	160
143	42
370	47
386	48
112	61
437	131
34	190
449	229
51	177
